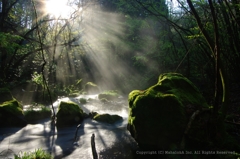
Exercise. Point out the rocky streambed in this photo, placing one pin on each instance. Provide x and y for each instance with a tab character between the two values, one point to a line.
111	140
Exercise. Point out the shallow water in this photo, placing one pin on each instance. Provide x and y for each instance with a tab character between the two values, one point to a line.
112	141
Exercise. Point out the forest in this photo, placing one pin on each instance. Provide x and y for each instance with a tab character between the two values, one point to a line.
51	49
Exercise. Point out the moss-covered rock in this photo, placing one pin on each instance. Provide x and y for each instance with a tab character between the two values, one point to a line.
83	100
69	113
107	118
109	95
91	88
159	115
11	114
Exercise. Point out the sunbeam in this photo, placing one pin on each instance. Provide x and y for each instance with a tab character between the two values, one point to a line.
98	53
62	8
101	30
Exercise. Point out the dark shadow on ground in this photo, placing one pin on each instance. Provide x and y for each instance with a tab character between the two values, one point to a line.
66	140
15	140
122	144
124	147
4	133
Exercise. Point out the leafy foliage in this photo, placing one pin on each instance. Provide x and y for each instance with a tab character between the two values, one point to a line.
151	37
9	42
38	79
38	154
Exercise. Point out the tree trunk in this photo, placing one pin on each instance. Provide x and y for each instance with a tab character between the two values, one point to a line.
220	73
216	52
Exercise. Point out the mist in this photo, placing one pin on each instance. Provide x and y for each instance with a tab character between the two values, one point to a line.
101	47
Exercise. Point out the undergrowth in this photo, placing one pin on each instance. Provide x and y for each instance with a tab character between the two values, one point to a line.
37	154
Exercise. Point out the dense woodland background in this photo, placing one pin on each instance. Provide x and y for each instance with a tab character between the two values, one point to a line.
122	45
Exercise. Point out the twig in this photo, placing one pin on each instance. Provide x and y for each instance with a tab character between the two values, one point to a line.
75	137
95	156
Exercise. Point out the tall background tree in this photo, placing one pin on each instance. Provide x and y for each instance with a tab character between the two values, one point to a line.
141	39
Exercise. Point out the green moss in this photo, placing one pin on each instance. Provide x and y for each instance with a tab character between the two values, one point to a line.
91	84
79	84
158	116
74	94
11	114
132	96
109	95
12	106
83	100
69	107
184	89
107	118
69	113
91	87
166	120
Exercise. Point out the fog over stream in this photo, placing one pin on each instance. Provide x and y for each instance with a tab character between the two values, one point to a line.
111	140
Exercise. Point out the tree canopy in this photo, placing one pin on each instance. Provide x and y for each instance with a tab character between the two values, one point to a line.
121	44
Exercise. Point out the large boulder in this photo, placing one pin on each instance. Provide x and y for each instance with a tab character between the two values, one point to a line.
107	118
159	115
11	114
69	113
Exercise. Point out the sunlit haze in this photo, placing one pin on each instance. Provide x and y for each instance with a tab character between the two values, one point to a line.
58	8
96	42
101	41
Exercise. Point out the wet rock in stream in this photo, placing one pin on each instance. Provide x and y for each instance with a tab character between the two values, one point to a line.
69	113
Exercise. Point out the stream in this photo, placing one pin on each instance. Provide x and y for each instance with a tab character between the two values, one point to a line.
111	140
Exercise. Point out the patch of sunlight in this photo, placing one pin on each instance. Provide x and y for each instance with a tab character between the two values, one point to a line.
60	8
